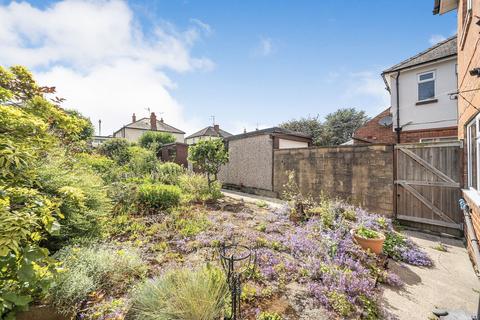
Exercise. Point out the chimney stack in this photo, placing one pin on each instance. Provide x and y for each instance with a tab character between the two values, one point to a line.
161	120
134	118
153	122
216	127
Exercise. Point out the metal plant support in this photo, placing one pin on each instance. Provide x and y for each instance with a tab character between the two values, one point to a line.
236	260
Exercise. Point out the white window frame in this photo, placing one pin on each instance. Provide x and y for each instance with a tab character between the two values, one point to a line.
434	79
476	121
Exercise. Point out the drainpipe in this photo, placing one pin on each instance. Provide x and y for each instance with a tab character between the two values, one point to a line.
470	231
398	128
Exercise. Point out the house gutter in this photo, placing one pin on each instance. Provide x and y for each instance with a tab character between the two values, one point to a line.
471	232
398	128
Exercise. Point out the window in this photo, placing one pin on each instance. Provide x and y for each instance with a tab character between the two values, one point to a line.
426	86
473	146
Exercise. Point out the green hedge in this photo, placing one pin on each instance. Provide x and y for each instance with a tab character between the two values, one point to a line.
152	197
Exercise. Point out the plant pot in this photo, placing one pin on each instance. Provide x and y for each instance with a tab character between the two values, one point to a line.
374	245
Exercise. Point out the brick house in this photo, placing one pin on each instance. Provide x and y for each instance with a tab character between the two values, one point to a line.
376	130
422	106
468	47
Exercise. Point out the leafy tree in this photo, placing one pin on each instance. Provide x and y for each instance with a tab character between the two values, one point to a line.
340	125
309	125
116	149
209	155
155	139
337	128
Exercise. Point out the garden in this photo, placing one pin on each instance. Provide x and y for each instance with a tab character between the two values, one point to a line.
113	233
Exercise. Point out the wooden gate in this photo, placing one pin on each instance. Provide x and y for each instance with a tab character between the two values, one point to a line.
428	177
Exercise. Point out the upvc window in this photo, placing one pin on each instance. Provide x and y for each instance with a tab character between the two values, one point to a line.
426	85
473	148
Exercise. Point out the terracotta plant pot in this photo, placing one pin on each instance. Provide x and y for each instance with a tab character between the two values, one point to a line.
374	245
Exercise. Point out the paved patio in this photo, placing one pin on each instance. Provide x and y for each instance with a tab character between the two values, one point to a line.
450	284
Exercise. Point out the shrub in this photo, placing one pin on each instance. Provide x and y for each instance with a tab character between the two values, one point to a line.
88	269
195	188
169	173
154	139
116	149
209	156
367	233
142	162
183	295
102	165
84	200
153	197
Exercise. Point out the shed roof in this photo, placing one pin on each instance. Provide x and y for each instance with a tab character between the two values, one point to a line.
271	130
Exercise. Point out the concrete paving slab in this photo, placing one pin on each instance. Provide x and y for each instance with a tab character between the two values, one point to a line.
450	284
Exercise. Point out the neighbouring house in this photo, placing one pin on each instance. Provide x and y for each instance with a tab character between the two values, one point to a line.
207	133
468	57
379	129
174	152
250	165
423	108
135	129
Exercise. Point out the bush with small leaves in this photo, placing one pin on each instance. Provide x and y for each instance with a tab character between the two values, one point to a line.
116	149
152	197
88	269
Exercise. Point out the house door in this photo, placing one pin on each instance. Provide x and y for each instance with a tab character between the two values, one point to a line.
427	183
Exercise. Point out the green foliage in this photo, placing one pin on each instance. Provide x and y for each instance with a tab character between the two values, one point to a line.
169	173
309	125
88	269
192	225
196	189
208	156
116	149
341	124
153	197
82	194
367	233
337	128
155	139
393	240
340	303
142	162
183	295
30	128
269	316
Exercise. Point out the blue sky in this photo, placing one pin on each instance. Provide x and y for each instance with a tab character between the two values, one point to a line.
246	62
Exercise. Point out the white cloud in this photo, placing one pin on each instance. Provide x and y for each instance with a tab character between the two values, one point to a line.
436	38
264	48
367	84
99	58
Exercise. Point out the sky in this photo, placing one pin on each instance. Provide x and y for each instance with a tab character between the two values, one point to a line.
249	63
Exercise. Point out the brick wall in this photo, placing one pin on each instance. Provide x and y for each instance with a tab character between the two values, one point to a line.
468	98
374	132
416	135
362	175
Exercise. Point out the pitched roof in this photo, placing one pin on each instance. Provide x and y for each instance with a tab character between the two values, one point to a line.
210	132
269	131
144	124
444	49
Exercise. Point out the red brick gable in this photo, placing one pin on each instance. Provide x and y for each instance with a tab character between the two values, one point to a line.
374	132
